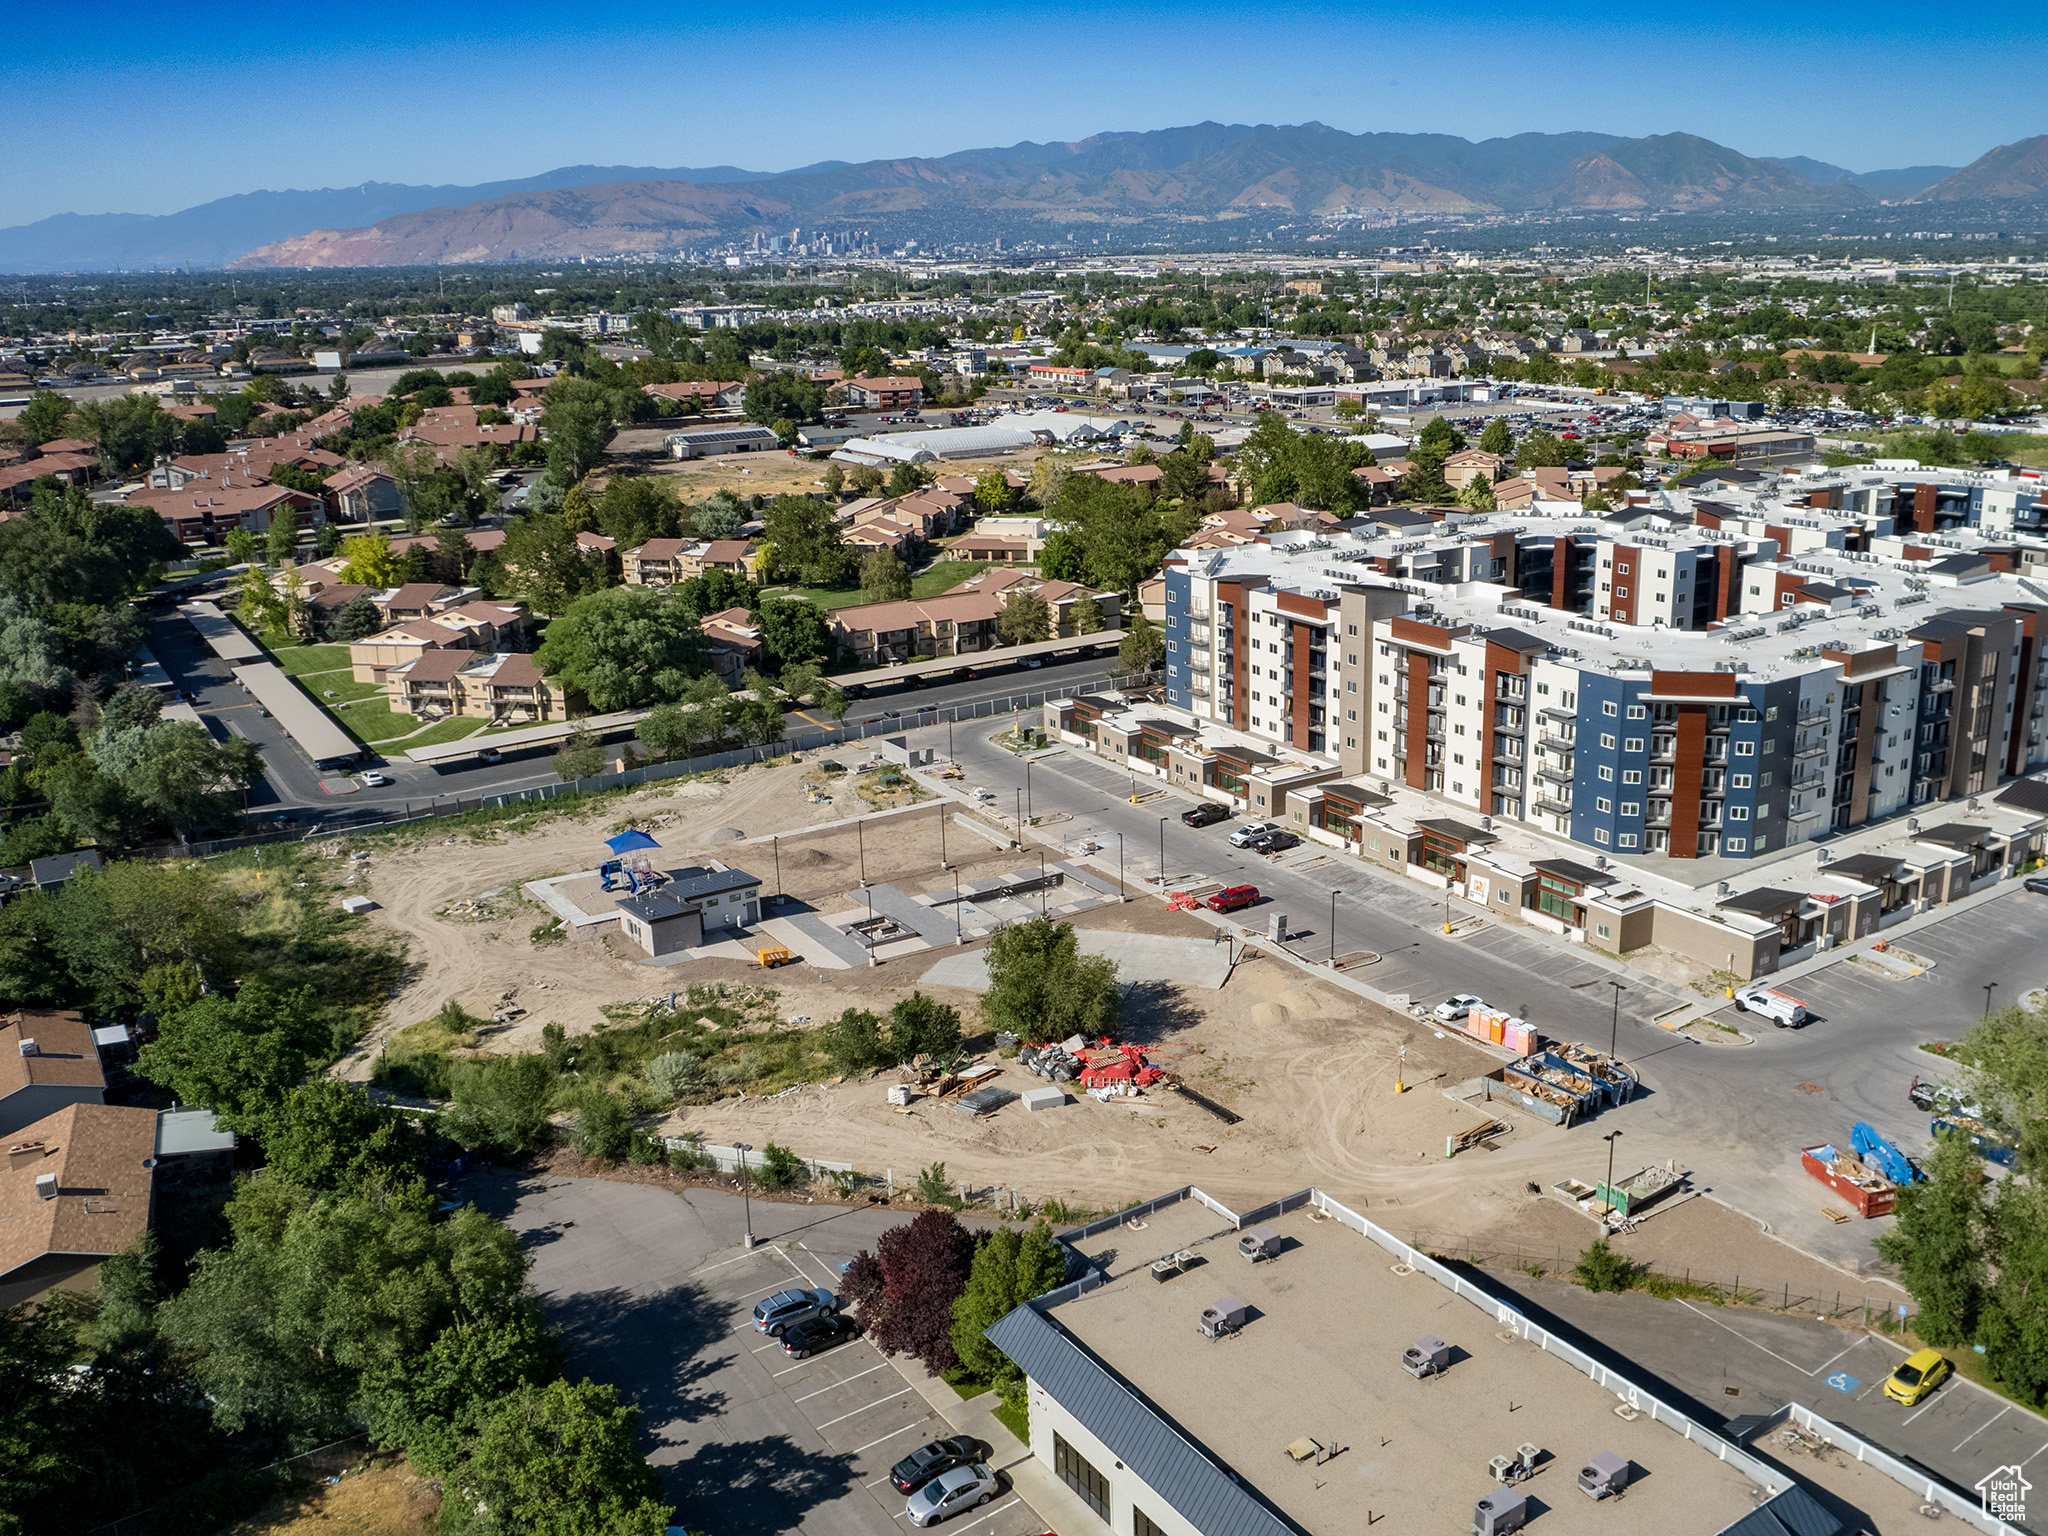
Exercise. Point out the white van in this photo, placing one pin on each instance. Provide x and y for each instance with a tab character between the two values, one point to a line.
1781	1008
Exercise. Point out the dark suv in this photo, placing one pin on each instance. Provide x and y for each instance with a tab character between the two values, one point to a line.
929	1461
1206	815
802	1340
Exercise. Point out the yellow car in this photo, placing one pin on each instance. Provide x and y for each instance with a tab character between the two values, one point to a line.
1919	1375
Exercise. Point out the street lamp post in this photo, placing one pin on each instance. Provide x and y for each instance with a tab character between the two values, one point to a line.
1610	1138
1041	884
869	936
1989	988
861	839
1121	893
942	838
1027	790
776	844
957	939
1614	1025
1020	818
1162	853
746	1204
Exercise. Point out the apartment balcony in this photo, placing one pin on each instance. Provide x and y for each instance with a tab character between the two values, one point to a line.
1198	634
1553	743
1555	775
1939	685
1198	663
1553	806
1816	746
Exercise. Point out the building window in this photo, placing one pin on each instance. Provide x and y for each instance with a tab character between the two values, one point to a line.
1632	776
1745	749
1604	932
1609	708
1738	813
1079	1476
1739	781
1599	834
1607	740
1628	840
1631	808
1637	712
1142	1524
1606	773
1603	805
1732	844
1635	744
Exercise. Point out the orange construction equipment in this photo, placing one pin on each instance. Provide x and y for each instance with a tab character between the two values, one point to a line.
772	955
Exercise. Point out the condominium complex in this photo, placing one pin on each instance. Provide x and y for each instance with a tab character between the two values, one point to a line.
1698	677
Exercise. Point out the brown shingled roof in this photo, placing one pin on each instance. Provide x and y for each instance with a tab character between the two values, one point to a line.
65	1053
101	1156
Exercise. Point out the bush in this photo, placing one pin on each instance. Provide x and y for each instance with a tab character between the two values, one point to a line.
1600	1268
919	1026
932	1187
643	1150
780	1168
675	1074
501	1103
604	1127
853	1042
689	1155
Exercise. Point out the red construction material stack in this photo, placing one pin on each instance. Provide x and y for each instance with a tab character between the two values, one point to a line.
1101	1073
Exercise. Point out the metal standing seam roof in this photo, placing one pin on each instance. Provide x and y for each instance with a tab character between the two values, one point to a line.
309	725
1165	1460
1795	1512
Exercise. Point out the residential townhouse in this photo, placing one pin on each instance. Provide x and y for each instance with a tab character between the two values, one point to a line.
889	394
666	562
503	687
204	512
473	626
703	394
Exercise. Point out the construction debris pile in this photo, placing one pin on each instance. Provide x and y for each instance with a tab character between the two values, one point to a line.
1106	1070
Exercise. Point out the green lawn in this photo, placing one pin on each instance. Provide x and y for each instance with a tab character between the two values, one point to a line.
446	730
372	720
929	582
298	660
340	684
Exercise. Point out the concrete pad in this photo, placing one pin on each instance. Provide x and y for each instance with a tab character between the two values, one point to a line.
1139	957
1044	1098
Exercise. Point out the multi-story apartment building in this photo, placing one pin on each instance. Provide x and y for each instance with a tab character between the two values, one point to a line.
1708	681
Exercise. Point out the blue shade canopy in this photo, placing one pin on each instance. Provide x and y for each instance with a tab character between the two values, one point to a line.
632	840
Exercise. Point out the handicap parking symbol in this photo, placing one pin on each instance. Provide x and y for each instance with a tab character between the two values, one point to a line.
1842	1381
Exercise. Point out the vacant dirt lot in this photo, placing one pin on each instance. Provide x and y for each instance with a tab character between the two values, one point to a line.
375	1500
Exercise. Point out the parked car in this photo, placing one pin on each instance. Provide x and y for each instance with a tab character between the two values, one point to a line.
802	1340
1233	898
961	1488
1278	841
372	779
928	1461
1251	832
1034	661
1206	815
2038	884
787	1308
490	755
1456	1006
1917	1375
1781	1008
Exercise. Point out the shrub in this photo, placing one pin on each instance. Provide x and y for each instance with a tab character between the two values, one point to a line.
780	1168
689	1155
853	1041
1600	1268
932	1187
674	1074
643	1149
919	1026
604	1127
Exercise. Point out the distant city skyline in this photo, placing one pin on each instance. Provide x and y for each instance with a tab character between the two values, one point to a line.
150	111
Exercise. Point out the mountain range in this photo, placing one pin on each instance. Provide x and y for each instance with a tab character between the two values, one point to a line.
1208	173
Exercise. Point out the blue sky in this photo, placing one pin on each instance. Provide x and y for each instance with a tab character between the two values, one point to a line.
151	108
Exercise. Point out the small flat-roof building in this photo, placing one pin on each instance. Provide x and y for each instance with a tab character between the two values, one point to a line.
50	873
1206	1397
696	906
725	437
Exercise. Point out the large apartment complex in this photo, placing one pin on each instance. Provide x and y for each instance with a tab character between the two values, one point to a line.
1696	678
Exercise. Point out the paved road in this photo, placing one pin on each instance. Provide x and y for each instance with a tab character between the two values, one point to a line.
655	1295
1734	1116
1731	1361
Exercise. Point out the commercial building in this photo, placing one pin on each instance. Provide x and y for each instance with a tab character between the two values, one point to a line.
722	437
691	907
1297	1371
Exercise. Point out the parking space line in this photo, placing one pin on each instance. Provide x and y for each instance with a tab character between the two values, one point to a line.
889	1436
707	1268
970	1525
864	1407
2030	1458
1973	1434
1802	1370
1922	1409
856	1376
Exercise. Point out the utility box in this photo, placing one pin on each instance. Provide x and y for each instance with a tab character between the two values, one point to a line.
1427	1356
1276	927
1043	1098
1603	1474
356	906
1501	1511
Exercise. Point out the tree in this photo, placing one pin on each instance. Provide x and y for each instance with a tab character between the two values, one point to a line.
1025	617
556	1460
1497	438
146	932
580	756
282	540
919	1026
500	1104
1541	450
434	1404
784	396
370	561
546	566
1088	619
240	545
1009	1269
1060	559
625	647
238	1054
853	1042
807	542
46	416
1601	1268
575	424
907	479
720	517
357	619
865	479
1041	987
1939	1242
1141	649
903	1292
330	1136
883	578
186	779
636	508
1477	495
993	492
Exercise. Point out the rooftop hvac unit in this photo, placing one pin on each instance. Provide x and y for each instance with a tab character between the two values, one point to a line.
46	1186
1502	1468
1259	1243
1501	1511
1603	1474
28	1047
1528	1455
1227	1316
1427	1356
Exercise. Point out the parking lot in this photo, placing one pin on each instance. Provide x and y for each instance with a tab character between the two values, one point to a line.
655	1295
1731	1361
